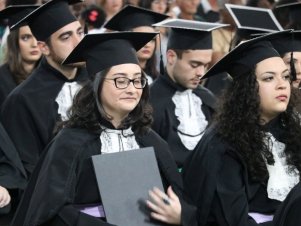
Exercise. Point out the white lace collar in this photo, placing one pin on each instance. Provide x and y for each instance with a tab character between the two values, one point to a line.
192	120
117	140
65	98
282	178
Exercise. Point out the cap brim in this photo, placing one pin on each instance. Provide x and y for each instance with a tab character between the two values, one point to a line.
127	14
254	18
288	5
41	8
190	25
137	39
13	9
223	64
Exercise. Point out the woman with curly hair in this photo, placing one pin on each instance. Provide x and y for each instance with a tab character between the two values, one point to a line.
110	114
249	159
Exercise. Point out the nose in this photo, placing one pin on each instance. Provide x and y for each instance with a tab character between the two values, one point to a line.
200	71
131	88
282	83
34	42
77	38
147	45
195	2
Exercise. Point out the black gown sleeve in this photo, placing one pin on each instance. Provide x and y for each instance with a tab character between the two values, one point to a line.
12	173
230	205
21	123
7	82
49	197
288	213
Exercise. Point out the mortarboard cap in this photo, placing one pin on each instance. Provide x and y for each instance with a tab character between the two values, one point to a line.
131	17
246	55
291	42
188	34
49	18
15	13
253	20
294	10
101	51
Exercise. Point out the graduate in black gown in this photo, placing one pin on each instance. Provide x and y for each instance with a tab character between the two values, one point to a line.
21	54
183	108
112	114
31	111
245	30
13	177
288	213
249	158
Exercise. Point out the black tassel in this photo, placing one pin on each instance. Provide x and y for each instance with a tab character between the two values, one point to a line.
293	69
86	28
161	57
161	65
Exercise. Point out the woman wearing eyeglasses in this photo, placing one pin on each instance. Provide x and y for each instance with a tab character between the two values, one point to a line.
110	114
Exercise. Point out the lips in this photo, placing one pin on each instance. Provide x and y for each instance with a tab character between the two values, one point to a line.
146	52
34	52
282	97
128	98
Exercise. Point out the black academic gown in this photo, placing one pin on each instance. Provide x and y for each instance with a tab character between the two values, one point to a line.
288	213
30	112
66	178
12	174
216	180
165	120
7	82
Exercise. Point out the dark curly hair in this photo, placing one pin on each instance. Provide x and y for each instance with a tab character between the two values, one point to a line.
85	113
238	123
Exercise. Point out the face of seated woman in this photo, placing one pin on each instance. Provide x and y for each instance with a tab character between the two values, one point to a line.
273	79
119	102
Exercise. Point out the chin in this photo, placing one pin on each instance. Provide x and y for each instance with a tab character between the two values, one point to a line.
128	109
190	86
281	109
79	64
32	60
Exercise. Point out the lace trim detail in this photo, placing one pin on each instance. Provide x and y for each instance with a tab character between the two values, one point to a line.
117	140
192	120
65	98
282	178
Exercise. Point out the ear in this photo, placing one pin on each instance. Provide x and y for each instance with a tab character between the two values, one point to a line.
44	48
171	57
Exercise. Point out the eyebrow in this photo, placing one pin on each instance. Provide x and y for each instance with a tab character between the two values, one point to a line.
197	62
125	74
70	32
274	73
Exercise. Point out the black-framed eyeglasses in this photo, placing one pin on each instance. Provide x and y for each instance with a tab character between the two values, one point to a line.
123	82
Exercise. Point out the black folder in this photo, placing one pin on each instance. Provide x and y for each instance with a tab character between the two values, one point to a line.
124	179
